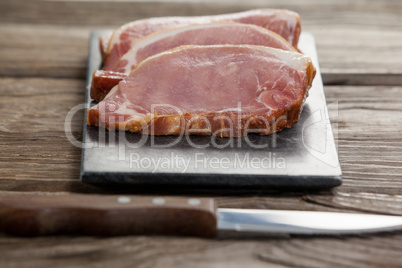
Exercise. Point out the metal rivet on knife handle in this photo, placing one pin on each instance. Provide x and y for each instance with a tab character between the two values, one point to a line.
194	202
123	200
158	201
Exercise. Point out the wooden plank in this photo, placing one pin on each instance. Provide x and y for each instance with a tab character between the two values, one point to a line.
33	141
104	13
36	155
356	251
358	43
45	51
36	158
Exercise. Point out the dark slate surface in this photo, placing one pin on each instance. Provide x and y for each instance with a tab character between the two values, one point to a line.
301	157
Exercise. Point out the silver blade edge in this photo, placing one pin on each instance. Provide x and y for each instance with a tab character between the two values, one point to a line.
304	222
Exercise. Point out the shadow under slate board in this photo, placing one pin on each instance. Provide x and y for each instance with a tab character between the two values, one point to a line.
303	156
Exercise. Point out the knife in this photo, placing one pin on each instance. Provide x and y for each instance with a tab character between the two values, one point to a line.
110	215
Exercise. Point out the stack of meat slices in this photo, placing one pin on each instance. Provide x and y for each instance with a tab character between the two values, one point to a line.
210	78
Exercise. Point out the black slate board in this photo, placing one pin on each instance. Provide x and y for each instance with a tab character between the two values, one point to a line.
301	157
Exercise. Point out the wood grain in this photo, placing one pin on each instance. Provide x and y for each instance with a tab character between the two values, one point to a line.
35	147
43	61
51	51
358	42
358	251
33	142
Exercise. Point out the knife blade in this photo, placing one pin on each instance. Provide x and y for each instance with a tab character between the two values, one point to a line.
109	215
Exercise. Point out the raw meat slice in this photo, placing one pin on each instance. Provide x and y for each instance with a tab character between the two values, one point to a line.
103	44
197	34
283	22
223	90
103	81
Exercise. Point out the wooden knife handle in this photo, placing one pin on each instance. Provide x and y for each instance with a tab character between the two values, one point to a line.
105	215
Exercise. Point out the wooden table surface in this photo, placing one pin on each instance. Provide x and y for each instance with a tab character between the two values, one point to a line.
43	61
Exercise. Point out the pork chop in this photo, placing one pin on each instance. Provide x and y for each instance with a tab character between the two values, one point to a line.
197	34
222	90
283	22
